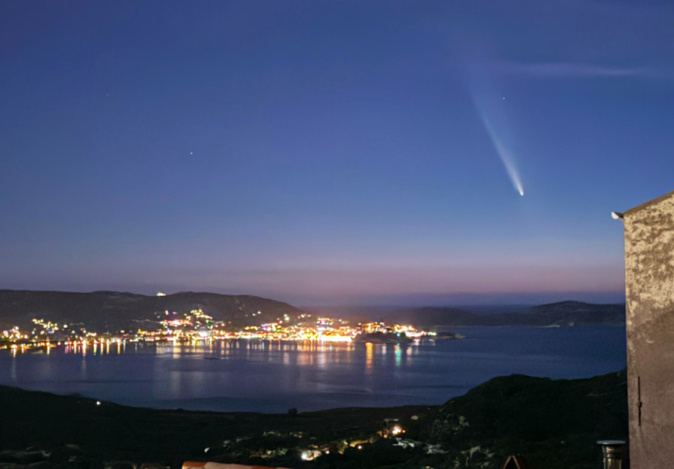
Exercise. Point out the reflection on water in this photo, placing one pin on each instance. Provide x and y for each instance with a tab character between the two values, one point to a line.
236	365
103	347
274	375
305	353
13	375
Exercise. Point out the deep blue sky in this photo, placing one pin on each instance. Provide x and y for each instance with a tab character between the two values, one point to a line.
334	151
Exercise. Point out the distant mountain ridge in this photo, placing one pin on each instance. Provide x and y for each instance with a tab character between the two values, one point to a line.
564	313
109	311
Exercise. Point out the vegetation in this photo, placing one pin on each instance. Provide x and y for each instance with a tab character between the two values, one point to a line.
554	424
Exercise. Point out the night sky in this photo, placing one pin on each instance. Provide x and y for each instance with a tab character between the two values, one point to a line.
331	152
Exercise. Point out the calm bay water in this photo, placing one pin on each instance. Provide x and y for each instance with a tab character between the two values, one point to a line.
273	377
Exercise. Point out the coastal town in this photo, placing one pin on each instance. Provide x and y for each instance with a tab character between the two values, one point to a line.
196	326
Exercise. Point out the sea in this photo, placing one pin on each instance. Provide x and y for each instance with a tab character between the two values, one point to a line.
274	376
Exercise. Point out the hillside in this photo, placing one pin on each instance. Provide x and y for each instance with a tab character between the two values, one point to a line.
553	423
565	313
109	311
575	313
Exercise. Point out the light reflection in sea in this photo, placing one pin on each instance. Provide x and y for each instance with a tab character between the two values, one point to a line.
287	353
369	352
13	367
275	375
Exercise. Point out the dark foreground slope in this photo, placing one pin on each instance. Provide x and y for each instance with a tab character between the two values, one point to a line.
109	311
554	424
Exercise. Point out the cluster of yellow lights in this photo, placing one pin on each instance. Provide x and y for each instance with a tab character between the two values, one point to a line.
197	326
14	334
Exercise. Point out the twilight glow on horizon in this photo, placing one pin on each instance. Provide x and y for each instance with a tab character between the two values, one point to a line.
334	152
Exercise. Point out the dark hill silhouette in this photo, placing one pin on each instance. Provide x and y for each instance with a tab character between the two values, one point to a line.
110	311
565	313
553	423
575	313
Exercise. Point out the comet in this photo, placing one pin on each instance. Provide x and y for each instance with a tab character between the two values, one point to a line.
490	103
506	156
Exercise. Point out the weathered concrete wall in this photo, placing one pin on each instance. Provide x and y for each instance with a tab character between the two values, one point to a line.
649	290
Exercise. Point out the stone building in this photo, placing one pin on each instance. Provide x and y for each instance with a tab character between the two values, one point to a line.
649	292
